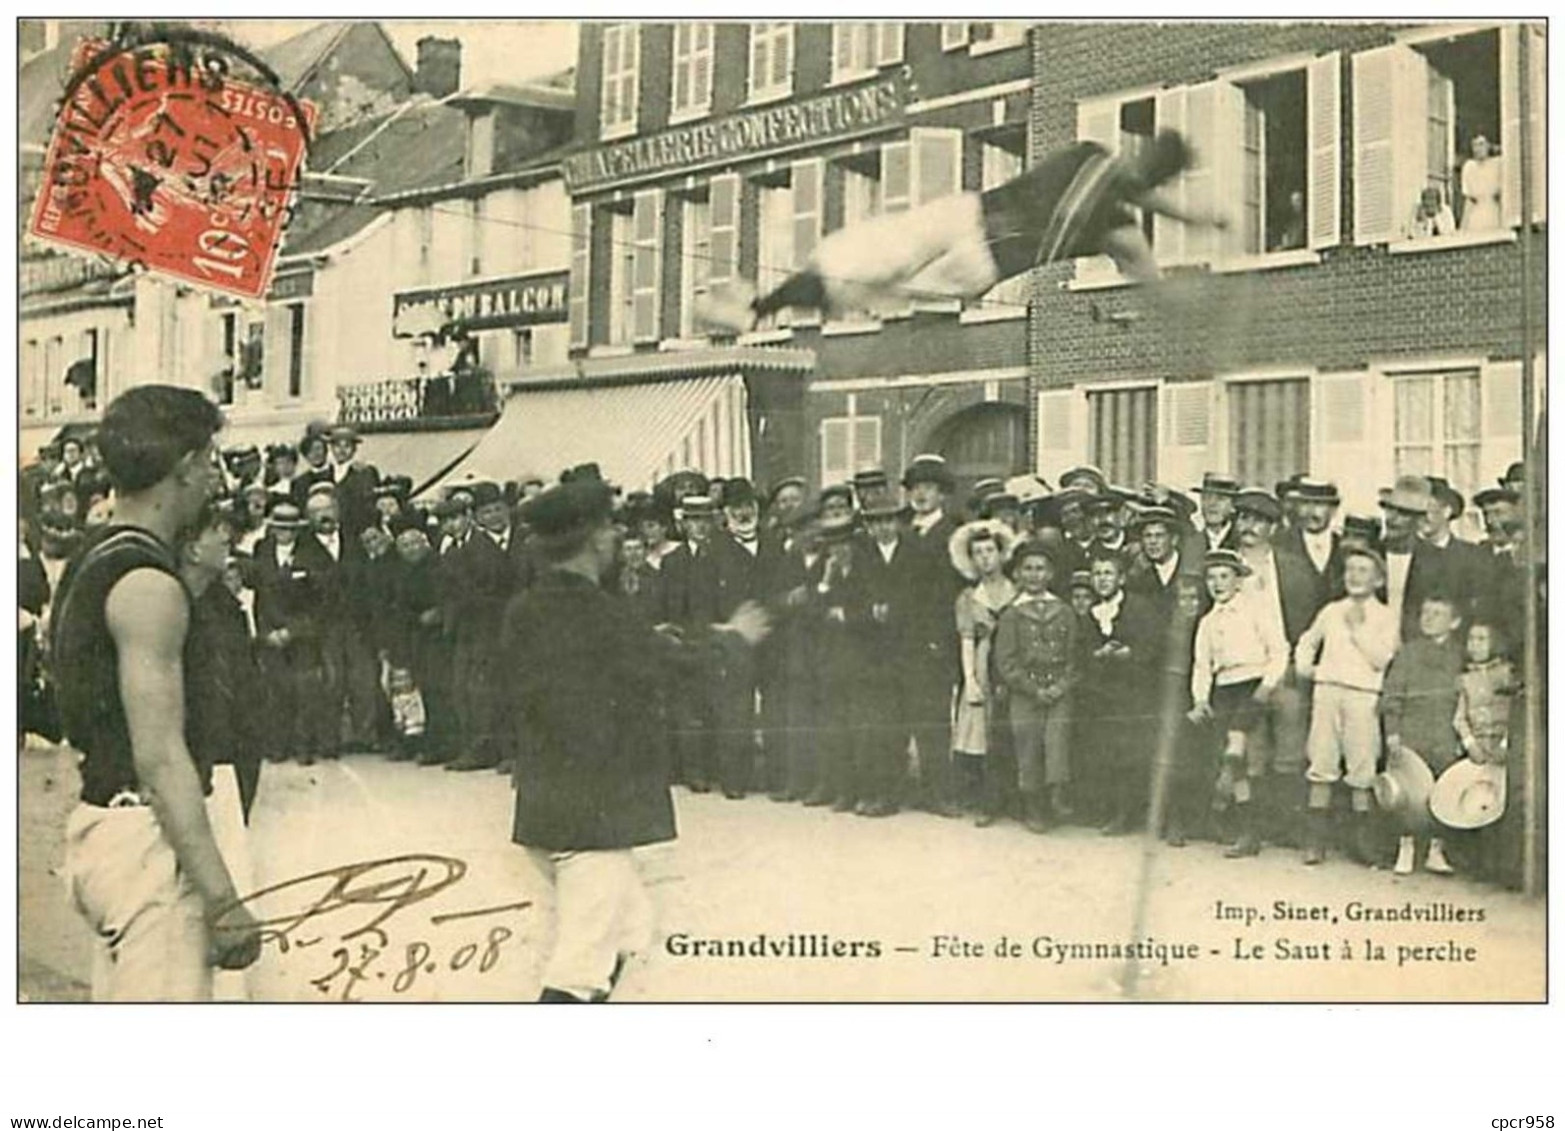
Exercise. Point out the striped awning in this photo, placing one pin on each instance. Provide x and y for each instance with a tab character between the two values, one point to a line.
636	433
422	456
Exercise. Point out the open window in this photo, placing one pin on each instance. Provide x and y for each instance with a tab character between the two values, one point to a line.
1438	131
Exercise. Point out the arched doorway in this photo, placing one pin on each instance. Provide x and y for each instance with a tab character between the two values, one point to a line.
983	442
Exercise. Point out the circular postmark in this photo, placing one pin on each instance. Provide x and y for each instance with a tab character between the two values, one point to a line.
177	151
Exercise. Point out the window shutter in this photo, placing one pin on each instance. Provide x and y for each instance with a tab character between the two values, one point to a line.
953	35
647	228
841	47
1348	451
682	66
1511	121
1185	451
889	42
1389	159
1324	124
1501	390
630	69
760	57
1168	235
701	69
782	58
896	176
937	163
1062	431
1097	121
1214	122
866	442
836	458
807	210
608	103
724	197
581	262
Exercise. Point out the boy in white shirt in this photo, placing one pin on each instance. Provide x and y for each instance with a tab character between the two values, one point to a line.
1346	652
1241	656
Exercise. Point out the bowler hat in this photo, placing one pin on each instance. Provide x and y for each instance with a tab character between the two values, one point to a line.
400	524
928	468
1361	528
883	506
1516	473
1214	484
1081	579
1491	495
1448	495
568	507
681	483
281	451
1228	558
1469	795
1403	787
791	481
1258	501
738	492
486	492
453	505
1035	548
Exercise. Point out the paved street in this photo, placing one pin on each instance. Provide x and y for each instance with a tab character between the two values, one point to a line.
807	880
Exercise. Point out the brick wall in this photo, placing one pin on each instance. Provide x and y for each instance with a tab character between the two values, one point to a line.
1358	305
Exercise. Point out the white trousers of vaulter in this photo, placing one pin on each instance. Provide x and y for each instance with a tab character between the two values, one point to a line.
226	814
601	913
146	915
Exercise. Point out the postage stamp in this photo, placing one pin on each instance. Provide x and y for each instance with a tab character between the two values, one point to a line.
162	158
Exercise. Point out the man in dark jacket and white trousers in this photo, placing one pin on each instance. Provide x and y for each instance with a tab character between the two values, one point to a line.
581	688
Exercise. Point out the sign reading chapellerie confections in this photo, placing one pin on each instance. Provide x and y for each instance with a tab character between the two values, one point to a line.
749	134
486	305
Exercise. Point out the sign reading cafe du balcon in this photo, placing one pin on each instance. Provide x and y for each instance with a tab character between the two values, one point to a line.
525	300
751	133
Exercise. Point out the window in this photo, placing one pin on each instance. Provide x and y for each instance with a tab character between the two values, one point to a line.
32	378
622	270
695	259
647	227
252	369
954	35
617	107
996	35
862	199
848	444
771	61
475	236
1422	112
1268	430
692	70
1003	161
521	349
1438	426
1122	437
296	349
230	370
1266	145
53	350
425	221
774	251
853	50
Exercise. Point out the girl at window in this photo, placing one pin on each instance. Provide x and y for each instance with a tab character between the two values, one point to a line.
1481	179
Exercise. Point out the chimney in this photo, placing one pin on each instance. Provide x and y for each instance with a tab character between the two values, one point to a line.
439	66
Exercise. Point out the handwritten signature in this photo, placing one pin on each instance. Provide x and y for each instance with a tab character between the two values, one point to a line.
358	901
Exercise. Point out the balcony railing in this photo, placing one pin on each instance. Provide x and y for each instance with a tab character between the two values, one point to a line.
399	400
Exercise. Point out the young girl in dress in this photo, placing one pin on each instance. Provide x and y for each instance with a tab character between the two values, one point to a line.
979	551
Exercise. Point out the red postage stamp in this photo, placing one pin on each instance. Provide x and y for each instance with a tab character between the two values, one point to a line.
161	159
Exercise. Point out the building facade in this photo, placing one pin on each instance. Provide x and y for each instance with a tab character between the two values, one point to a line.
1339	330
708	152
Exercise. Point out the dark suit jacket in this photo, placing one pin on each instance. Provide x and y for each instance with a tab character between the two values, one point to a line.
292	597
741	575
1133	678
1329	582
1304	590
931	627
1471	576
895	585
305	478
1426	575
356	497
487	580
581	676
691	594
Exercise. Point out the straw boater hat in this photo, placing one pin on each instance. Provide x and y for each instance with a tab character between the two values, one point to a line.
1469	795
1229	558
1027	488
1402	789
962	543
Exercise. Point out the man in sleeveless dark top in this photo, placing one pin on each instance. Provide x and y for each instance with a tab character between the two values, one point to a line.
1076	201
143	867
